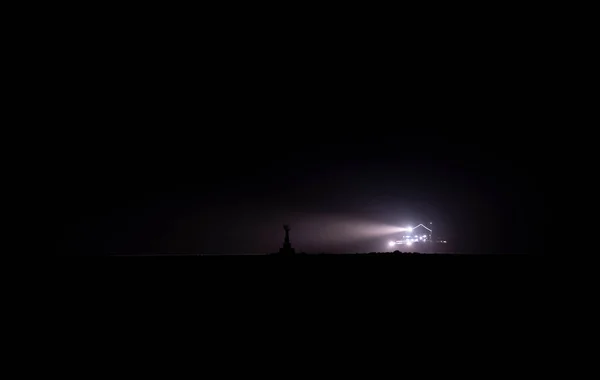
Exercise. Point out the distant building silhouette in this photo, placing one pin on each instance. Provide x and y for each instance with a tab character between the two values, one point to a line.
287	246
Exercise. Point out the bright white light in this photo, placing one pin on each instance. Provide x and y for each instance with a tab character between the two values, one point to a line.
392	243
409	229
409	243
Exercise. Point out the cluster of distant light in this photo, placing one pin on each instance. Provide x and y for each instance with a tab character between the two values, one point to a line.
408	240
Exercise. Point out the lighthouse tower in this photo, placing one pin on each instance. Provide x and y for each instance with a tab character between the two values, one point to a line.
287	246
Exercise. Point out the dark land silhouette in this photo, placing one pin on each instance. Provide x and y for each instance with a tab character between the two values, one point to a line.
288	250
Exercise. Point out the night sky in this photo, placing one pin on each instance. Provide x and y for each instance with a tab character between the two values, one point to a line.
234	195
197	155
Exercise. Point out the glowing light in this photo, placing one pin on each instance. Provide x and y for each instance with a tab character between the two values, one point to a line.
391	243
409	229
409	243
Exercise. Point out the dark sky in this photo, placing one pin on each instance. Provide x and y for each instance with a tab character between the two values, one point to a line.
213	153
230	194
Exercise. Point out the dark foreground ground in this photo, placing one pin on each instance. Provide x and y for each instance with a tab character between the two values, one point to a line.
296	254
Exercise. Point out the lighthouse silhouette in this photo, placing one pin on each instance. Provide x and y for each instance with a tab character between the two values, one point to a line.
287	246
